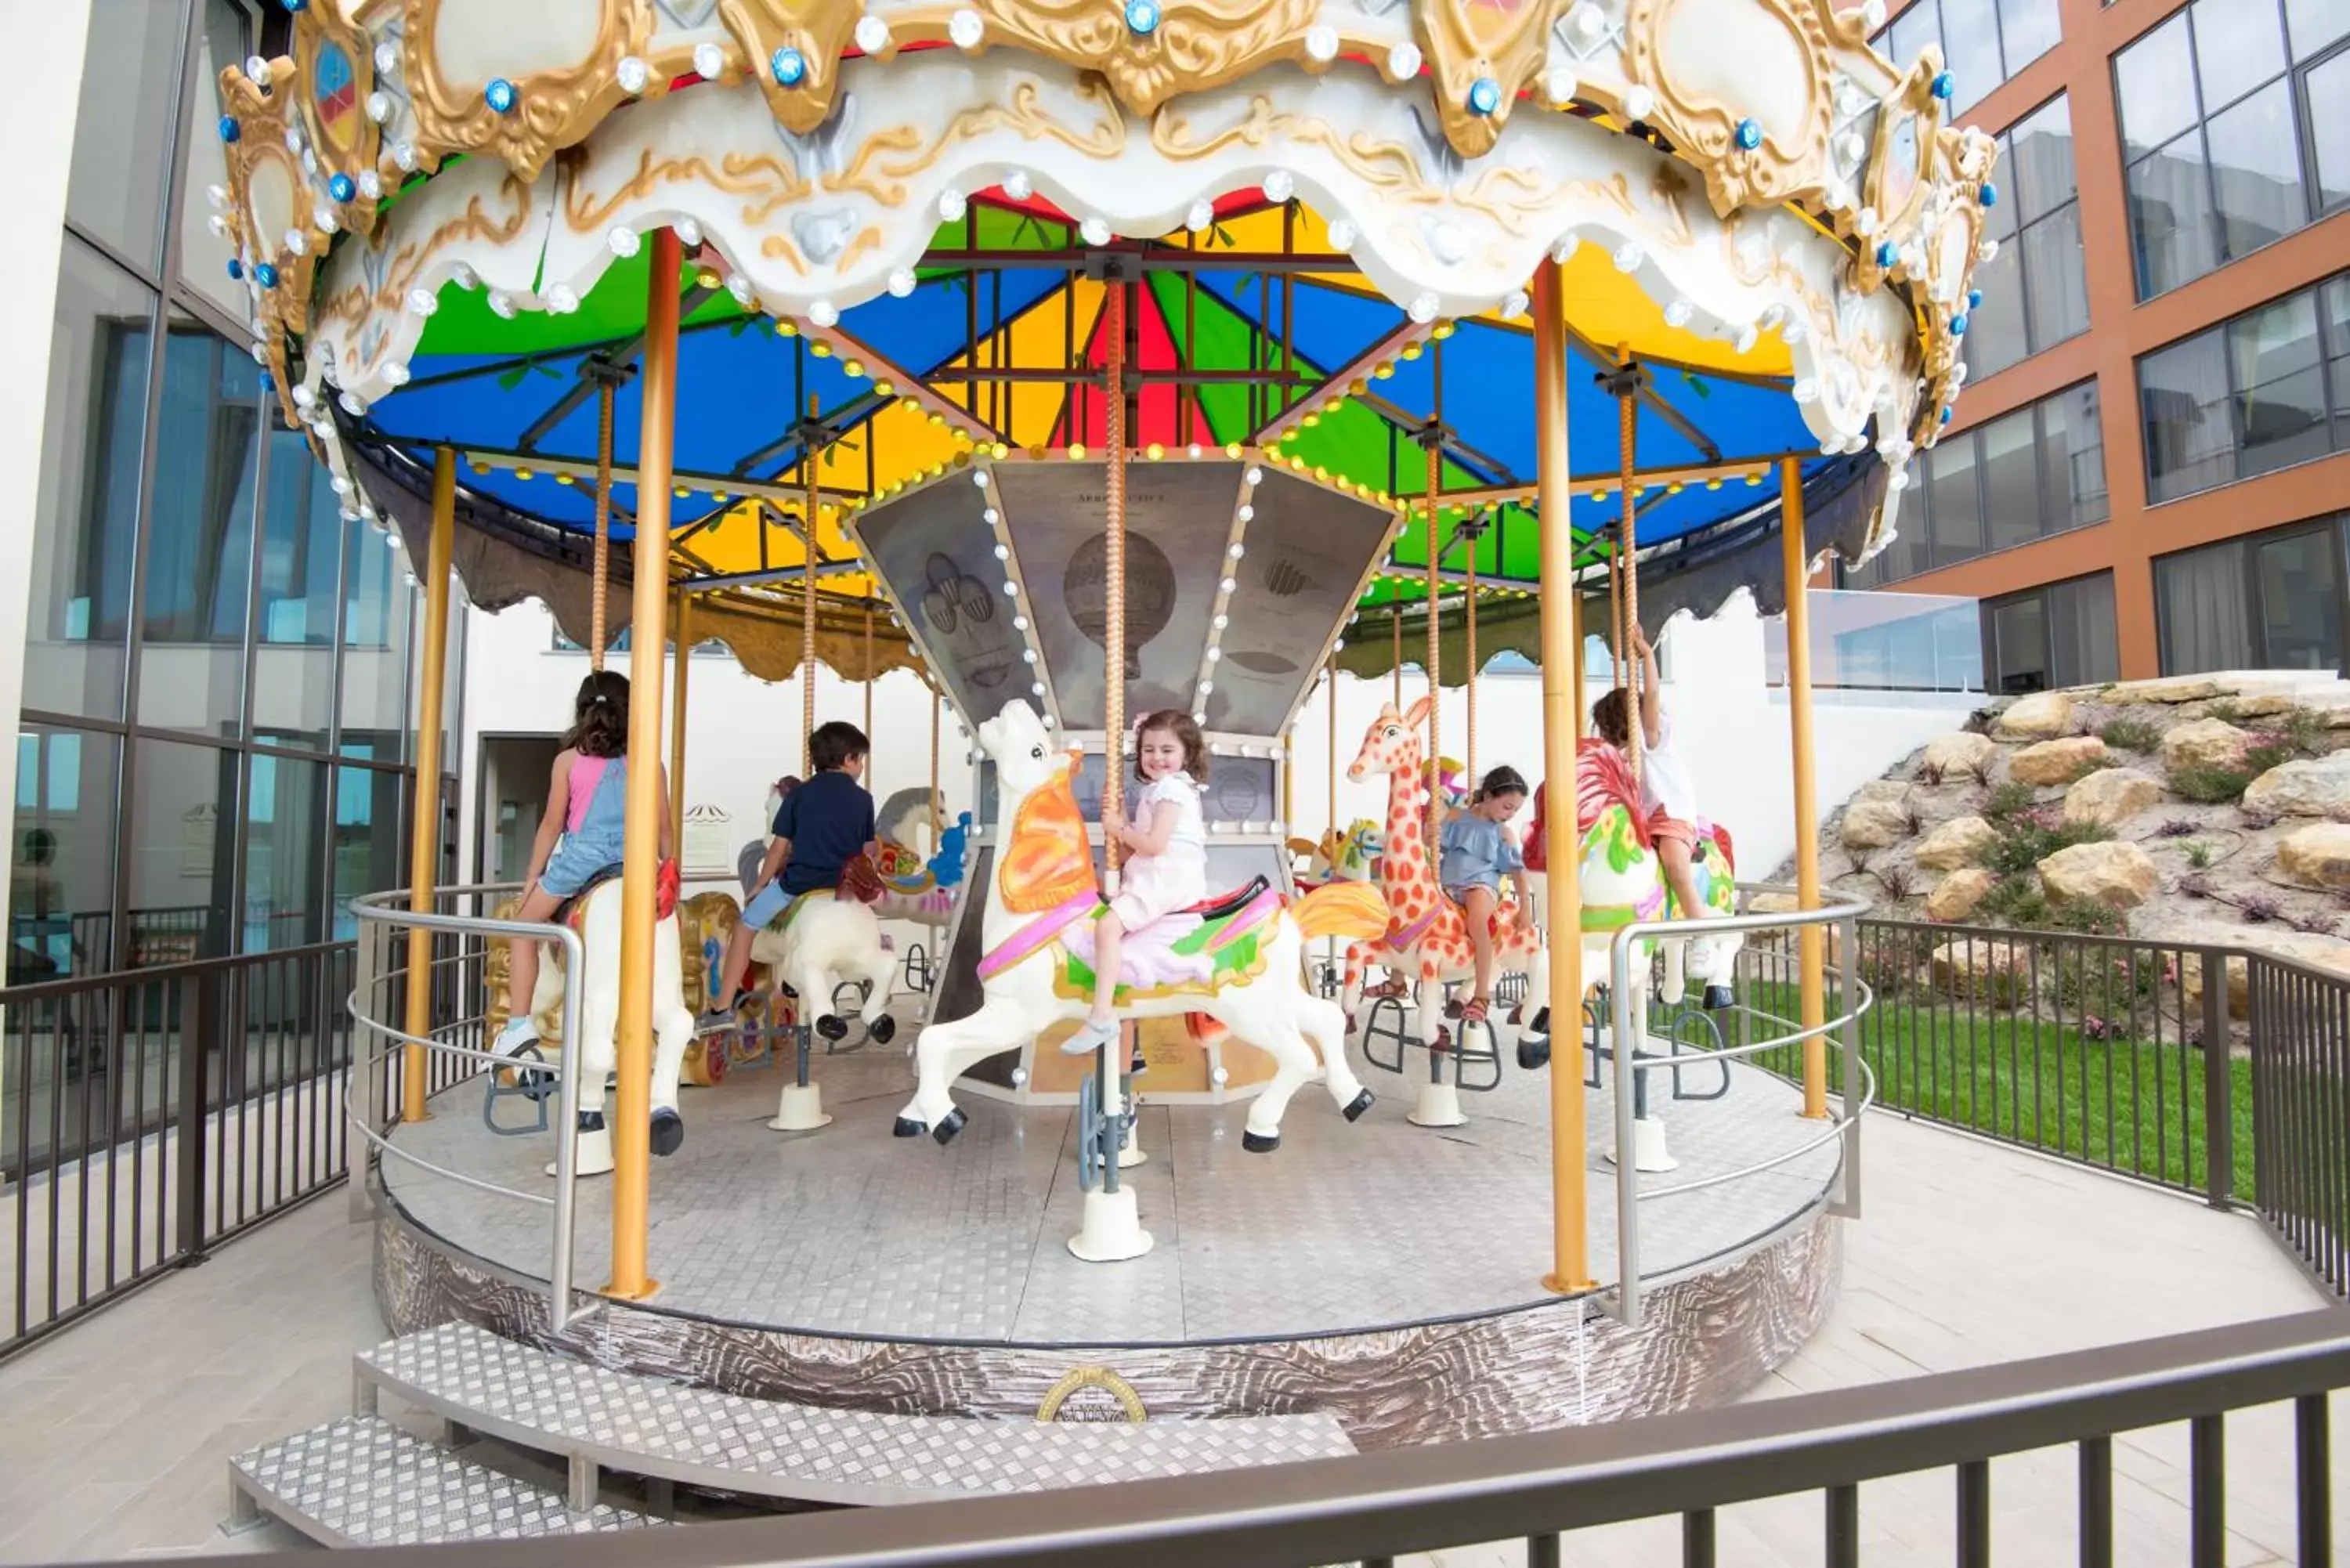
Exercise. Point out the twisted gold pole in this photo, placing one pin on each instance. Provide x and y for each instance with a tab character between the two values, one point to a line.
1627	423
597	632
1114	564
869	692
1395	625
807	617
1435	690
1469	668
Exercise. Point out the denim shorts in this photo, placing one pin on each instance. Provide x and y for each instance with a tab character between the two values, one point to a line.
765	905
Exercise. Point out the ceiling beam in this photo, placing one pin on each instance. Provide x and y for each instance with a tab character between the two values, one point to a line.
1361	365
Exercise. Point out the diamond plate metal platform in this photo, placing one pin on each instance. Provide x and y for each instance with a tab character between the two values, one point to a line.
765	1447
1348	1228
362	1481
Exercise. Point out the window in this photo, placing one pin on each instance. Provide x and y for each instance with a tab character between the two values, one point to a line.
2057	636
2038	471
227	35
2235	131
2261	391
129	92
2269	601
2035	290
1983	41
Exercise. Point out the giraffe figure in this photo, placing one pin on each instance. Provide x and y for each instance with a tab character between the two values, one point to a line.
1426	940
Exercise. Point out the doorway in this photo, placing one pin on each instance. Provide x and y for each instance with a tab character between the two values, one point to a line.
514	775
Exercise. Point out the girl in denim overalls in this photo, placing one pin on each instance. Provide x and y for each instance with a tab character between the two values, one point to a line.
580	833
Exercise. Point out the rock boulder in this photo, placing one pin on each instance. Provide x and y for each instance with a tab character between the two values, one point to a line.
1958	751
2110	797
2176	688
2320	787
2057	761
2205	742
2317	856
2039	717
1875	824
1958	895
1957	844
2117	875
1988	968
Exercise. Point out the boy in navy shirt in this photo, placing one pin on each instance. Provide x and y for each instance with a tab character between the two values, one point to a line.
821	826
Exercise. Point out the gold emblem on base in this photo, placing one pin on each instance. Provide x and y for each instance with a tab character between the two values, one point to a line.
1092	1395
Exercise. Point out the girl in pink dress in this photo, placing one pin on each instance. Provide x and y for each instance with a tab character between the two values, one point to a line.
1166	866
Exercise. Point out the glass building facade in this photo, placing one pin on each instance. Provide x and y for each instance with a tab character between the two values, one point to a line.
214	738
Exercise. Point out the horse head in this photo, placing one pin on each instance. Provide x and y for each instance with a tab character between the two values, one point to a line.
1391	745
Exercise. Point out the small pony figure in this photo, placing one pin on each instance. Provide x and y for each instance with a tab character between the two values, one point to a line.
946	865
1349	857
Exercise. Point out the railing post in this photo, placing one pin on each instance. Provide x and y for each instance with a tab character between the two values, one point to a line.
363	1078
1624	1039
2219	1081
1848	1004
197	995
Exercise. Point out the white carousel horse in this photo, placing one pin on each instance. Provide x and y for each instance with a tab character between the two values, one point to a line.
1427	938
1238	966
596	915
1349	857
823	939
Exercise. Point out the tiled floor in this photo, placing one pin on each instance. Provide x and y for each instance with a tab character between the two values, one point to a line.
849	1230
118	1434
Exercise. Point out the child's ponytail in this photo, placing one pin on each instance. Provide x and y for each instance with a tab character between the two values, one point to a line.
599	724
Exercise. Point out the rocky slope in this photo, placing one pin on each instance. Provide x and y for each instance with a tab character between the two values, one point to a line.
2212	808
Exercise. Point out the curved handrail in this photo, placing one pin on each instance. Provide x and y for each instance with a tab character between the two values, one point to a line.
1622	1027
379	909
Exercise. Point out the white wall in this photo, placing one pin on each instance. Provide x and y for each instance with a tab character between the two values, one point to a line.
1730	724
742	733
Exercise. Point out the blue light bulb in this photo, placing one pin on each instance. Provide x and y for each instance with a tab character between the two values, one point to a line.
1750	135
230	129
1142	16
1945	84
501	96
788	66
1484	95
342	187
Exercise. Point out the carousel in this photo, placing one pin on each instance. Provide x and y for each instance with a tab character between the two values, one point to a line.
1091	359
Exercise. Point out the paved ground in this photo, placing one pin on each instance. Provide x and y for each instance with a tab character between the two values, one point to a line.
117	1435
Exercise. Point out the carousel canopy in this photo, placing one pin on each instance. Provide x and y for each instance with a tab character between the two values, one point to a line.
902	224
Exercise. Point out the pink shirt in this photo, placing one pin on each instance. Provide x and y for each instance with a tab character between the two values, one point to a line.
585	774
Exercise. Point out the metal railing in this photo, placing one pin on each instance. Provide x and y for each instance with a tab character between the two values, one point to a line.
2300	1072
148	1115
1852	998
456	1048
1688	1468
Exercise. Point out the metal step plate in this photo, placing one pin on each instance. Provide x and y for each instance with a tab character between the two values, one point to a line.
361	1481
702	1436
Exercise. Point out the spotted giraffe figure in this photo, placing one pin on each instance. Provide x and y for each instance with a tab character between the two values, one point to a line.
1427	940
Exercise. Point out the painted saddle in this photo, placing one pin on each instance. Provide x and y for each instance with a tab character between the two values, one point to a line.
667	885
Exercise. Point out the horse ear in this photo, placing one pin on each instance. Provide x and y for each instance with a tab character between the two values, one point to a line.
1417	714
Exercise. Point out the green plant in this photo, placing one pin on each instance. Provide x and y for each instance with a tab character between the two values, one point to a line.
2209	784
2199	854
2130	733
2263	754
2029	837
2227	710
1982	768
2015	900
2008	799
2303	729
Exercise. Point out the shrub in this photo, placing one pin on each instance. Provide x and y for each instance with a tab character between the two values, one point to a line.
2129	733
1930	773
2176	827
1982	768
2195	886
2210	783
2258	908
2317	925
2302	729
2091	919
2256	820
1898	882
2008	799
2262	755
2227	710
2016	901
2030	837
2199	854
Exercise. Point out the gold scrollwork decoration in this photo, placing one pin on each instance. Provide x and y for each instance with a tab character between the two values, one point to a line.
818	31
553	108
1902	165
261	110
334	73
1078	1379
1787	160
1197	44
1480	58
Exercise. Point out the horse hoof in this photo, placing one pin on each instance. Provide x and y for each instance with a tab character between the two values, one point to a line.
1358	1105
1541	1025
884	1029
832	1027
591	1121
1717	998
950	1125
907	1126
1260	1143
1533	1055
668	1132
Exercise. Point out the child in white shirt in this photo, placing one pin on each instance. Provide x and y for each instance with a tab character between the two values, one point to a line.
1667	793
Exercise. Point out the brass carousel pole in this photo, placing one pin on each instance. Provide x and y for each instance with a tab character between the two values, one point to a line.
424	834
1627	564
684	642
1395	627
597	629
807	614
1562	722
1795	559
640	862
1435	690
869	693
1469	668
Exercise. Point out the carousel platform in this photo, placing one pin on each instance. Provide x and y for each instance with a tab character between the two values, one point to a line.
1379	1276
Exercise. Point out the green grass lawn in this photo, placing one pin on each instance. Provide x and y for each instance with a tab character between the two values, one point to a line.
2122	1104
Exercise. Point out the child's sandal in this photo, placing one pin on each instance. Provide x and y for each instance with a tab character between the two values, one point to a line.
1475	1010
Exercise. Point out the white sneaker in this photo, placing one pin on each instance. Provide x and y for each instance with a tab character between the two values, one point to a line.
1700	958
518	1033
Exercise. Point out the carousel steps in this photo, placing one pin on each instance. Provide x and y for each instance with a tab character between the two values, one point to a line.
362	1481
596	1419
